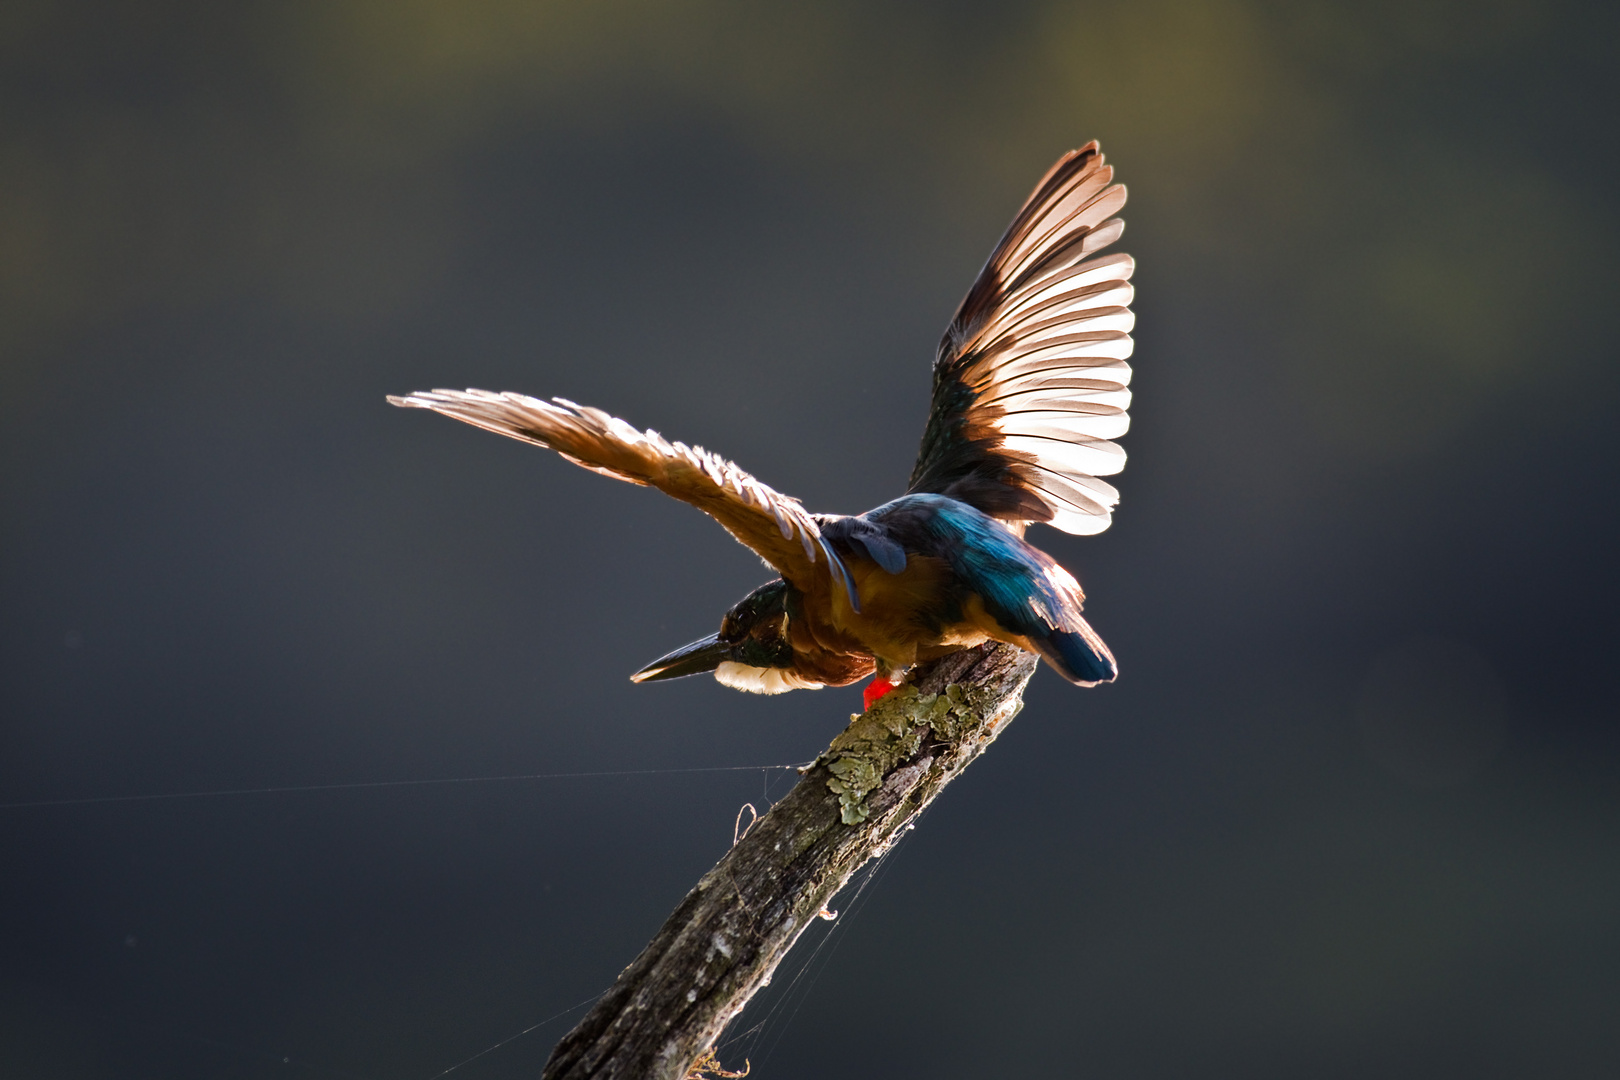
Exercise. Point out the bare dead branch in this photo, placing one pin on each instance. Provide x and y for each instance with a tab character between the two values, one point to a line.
723	942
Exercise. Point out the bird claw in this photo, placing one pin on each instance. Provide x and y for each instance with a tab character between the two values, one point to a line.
876	689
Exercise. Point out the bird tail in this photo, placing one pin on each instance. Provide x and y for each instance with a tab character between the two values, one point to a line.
1077	654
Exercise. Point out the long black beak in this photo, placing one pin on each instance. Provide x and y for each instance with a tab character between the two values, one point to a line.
693	659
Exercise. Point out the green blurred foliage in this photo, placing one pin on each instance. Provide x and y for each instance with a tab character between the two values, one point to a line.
1411	270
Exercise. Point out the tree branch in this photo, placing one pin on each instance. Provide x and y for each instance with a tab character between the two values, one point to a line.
723	942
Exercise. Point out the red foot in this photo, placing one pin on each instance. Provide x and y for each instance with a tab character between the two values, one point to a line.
876	689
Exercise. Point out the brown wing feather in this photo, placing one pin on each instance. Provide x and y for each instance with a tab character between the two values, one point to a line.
777	528
1030	384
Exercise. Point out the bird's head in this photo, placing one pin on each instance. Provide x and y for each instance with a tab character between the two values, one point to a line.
751	652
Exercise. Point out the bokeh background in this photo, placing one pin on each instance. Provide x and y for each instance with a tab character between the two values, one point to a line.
1352	808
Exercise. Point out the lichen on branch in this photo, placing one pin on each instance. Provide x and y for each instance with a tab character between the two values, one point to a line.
890	732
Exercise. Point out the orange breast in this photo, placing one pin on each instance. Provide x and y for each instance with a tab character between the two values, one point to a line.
893	623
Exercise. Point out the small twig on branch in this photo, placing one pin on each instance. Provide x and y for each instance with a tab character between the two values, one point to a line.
707	1067
723	942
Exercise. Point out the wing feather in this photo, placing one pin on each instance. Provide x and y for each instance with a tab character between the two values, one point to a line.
776	527
1031	380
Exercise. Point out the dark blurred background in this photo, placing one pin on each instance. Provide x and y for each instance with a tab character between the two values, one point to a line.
1350	811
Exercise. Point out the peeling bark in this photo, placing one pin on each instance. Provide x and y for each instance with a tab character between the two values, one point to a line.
726	938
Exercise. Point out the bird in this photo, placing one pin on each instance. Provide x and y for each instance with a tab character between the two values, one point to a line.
1031	388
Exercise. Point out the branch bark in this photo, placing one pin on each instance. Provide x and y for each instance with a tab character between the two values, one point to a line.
721	945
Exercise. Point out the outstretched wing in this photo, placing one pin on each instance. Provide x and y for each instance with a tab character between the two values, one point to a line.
1030	383
777	528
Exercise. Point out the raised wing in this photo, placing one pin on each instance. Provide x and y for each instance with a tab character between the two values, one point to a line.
777	528
1030	383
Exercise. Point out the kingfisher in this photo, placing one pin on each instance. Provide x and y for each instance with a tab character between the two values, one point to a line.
1030	390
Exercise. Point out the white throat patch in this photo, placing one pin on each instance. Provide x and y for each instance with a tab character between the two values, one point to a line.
761	680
